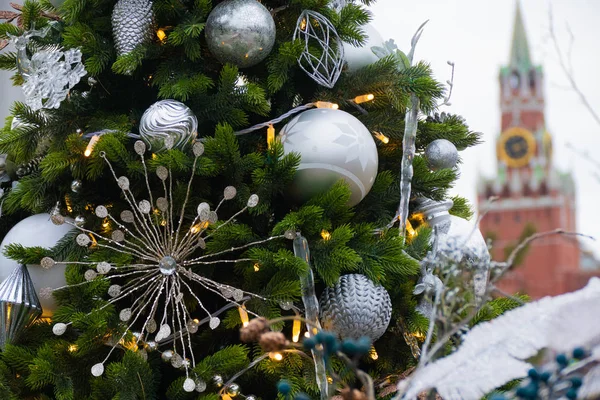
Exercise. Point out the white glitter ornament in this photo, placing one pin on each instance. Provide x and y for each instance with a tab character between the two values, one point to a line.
132	24
317	32
168	119
98	369
241	32
334	145
189	385
356	307
59	329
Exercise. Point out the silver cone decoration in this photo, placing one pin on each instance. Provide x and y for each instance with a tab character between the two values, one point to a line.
19	304
132	22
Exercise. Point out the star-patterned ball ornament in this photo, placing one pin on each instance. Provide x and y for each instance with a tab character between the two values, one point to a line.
333	145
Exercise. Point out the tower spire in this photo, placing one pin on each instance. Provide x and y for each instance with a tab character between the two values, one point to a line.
519	50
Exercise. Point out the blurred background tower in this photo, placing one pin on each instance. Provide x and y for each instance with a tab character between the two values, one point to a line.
533	195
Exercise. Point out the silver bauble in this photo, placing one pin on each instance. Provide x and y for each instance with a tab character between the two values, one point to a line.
356	307
233	389
76	185
440	154
37	231
359	57
132	24
458	240
241	32
19	305
168	120
80	221
334	145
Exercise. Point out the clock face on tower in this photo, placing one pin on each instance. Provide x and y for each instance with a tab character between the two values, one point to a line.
516	147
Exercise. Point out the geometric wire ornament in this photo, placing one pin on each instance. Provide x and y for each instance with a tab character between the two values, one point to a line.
165	247
19	304
321	38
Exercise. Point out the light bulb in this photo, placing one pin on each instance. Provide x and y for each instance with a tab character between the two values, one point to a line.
382	137
364	98
270	136
91	144
296	331
243	315
326	104
325	235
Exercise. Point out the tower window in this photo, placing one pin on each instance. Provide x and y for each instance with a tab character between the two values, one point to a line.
532	80
514	80
517	217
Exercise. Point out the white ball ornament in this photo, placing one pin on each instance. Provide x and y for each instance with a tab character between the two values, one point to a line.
334	145
359	57
241	32
37	231
168	123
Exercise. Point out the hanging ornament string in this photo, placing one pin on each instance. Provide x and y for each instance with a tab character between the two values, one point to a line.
296	110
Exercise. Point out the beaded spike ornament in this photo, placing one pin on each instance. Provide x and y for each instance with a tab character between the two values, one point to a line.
164	249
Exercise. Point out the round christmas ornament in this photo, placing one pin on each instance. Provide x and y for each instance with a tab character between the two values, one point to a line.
356	307
37	230
440	154
359	57
334	145
168	122
241	32
457	240
132	24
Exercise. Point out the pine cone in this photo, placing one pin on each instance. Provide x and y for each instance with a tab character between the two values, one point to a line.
352	394
273	341
132	24
255	328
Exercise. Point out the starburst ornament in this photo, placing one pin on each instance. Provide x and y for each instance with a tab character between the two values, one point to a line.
157	235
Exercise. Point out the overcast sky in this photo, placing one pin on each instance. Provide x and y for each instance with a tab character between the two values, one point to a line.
476	35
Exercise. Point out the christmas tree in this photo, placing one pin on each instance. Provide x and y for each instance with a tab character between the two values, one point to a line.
210	166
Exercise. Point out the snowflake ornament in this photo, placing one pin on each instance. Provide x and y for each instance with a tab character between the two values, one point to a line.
49	74
166	249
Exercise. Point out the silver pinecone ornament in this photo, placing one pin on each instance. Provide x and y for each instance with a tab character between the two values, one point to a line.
132	22
356	307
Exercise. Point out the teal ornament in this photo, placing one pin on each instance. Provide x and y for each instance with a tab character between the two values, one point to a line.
19	305
284	387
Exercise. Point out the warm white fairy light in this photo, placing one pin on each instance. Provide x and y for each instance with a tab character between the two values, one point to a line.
163	244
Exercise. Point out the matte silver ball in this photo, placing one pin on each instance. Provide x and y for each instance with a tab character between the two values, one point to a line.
76	186
334	145
168	121
241	32
440	154
356	307
359	57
